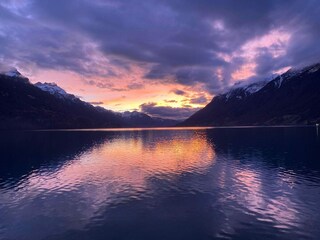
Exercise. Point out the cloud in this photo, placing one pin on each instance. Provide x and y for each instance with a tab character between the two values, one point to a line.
96	103
171	101
199	100
100	84
184	42
179	92
180	113
135	86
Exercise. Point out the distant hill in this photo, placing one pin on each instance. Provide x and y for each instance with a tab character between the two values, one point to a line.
47	106
289	99
139	119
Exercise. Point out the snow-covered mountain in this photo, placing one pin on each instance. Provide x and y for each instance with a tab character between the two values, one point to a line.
290	98
243	89
13	73
291	73
55	90
24	105
52	88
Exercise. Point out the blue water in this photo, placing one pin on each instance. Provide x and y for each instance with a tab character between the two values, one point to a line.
237	183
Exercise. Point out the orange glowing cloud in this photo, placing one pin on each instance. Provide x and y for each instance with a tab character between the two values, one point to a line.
244	72
121	89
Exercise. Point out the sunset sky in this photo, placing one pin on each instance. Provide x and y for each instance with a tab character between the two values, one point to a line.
166	58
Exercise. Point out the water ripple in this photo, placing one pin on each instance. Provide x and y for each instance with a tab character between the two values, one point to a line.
182	184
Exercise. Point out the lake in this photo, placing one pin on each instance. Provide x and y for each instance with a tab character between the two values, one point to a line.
219	183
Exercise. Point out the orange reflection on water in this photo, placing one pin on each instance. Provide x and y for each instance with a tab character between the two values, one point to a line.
132	160
126	162
103	174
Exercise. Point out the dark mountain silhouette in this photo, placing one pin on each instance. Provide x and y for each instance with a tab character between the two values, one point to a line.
139	119
25	106
289	99
47	106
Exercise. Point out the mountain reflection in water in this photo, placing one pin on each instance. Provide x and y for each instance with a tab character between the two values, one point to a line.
168	184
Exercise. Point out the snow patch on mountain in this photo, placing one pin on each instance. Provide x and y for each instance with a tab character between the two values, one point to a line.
278	82
52	88
13	73
315	68
296	71
292	73
9	71
55	90
242	89
255	87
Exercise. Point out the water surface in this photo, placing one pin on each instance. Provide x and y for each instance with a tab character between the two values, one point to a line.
237	183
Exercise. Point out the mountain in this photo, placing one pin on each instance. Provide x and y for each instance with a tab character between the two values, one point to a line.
13	73
55	90
139	119
47	106
289	99
27	106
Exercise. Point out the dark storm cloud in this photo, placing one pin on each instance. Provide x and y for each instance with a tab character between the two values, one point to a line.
179	92
129	87
134	86
180	113
265	63
96	103
111	86
199	100
191	75
174	40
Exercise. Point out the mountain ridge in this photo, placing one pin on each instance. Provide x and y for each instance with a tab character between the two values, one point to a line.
24	105
288	99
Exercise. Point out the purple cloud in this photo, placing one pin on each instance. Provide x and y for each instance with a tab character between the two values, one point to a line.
176	41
